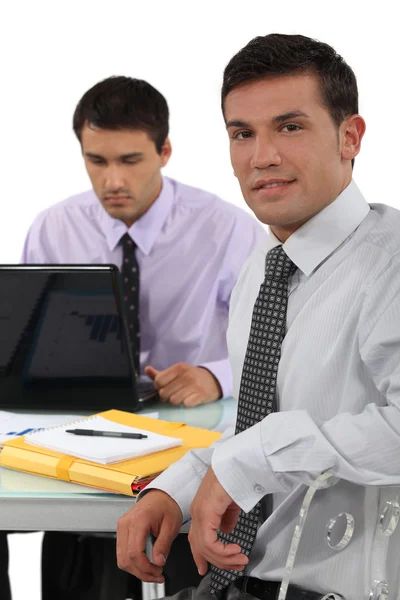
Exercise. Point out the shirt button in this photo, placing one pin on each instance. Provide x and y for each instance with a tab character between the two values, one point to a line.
259	488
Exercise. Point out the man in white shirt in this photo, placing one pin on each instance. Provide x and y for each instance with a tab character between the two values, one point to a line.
290	106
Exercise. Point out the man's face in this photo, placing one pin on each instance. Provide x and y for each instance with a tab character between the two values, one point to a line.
124	168
288	155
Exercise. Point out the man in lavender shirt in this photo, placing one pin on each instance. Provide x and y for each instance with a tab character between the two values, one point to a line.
191	244
190	247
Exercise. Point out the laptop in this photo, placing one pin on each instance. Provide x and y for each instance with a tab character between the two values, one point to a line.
64	340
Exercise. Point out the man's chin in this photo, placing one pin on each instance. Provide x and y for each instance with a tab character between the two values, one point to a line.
272	216
120	213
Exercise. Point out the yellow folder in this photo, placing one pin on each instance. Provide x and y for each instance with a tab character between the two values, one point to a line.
118	477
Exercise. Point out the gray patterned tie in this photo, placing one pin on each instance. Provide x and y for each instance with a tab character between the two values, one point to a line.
258	385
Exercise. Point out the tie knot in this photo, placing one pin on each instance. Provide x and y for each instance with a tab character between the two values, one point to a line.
278	265
127	241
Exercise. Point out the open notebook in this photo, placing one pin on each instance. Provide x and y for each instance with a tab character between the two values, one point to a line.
102	450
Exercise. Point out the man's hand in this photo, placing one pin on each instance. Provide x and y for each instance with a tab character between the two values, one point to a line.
213	509
155	513
185	384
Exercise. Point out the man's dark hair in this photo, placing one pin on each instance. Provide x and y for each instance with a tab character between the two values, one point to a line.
124	103
279	54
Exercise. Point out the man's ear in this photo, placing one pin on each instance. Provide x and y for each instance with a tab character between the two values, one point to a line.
351	132
166	152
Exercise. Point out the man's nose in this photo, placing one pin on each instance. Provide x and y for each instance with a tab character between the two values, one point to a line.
265	154
113	178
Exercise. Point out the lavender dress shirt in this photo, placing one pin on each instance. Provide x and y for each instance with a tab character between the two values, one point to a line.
191	246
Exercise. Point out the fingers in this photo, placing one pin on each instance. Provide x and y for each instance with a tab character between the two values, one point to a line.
174	392
209	549
145	569
163	378
229	520
157	514
162	545
122	546
187	395
182	384
151	372
131	555
201	563
232	559
174	384
193	399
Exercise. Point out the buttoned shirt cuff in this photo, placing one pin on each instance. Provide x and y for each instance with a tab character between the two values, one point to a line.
221	369
182	479
243	470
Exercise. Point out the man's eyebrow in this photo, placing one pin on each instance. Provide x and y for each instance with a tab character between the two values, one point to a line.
236	124
122	157
293	114
131	155
93	155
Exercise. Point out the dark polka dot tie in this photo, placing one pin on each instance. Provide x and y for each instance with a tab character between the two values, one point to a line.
258	385
130	287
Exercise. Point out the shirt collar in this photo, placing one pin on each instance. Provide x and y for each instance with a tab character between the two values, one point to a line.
312	243
145	230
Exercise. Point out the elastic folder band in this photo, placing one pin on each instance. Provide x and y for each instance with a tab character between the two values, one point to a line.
63	466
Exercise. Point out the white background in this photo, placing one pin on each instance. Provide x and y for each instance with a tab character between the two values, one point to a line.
52	52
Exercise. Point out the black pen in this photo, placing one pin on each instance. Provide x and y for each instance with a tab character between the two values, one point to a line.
116	434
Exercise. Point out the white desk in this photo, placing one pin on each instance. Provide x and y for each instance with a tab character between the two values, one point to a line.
32	503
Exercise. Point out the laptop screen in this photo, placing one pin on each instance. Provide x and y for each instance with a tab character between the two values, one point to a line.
63	339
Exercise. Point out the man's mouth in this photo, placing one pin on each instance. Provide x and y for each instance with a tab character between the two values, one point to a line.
116	199
267	184
271	185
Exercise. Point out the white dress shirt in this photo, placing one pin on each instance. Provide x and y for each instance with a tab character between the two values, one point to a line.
338	394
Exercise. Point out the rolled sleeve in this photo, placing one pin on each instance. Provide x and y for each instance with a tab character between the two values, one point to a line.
241	468
182	479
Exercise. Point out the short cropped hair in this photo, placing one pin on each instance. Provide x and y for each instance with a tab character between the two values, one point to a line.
279	54
124	103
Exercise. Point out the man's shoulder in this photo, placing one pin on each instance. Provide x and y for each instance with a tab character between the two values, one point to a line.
84	203
195	199
385	232
77	202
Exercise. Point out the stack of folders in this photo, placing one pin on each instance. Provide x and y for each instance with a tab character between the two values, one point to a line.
117	464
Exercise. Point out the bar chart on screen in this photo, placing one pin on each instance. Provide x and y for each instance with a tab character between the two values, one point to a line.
77	337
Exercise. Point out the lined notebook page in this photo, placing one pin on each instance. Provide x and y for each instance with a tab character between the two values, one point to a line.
103	450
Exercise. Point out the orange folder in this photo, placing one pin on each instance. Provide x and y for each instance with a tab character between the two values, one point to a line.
123	477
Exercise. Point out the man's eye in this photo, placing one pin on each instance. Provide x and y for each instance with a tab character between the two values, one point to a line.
291	127
241	135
